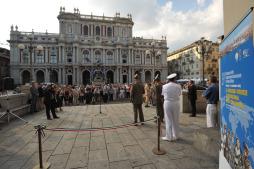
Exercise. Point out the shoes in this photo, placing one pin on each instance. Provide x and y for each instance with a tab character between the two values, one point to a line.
135	123
166	139
147	106
49	118
142	123
192	115
56	117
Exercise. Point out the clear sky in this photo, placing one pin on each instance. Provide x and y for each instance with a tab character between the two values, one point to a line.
182	21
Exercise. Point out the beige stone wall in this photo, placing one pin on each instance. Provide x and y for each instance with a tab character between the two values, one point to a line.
234	10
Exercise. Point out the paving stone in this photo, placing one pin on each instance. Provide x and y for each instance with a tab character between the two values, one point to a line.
127	139
98	156
149	166
34	160
98	165
78	158
136	155
120	165
65	144
58	161
97	143
116	152
123	148
112	137
13	164
82	140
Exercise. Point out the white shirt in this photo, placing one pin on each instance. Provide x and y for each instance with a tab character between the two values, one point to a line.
171	92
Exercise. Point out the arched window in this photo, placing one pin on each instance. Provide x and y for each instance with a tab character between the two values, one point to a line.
97	57
109	57
86	57
109	32
69	28
97	31
148	59
85	30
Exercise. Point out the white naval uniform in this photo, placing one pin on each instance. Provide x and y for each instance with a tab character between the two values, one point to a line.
211	111
171	92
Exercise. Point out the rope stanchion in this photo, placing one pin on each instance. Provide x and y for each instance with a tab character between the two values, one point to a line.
40	132
95	129
157	150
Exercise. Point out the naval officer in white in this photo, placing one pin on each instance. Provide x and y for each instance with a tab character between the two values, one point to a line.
171	93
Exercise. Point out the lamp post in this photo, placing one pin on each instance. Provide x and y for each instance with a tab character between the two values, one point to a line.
31	47
154	54
204	49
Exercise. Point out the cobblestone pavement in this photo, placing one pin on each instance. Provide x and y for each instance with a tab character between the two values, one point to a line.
124	148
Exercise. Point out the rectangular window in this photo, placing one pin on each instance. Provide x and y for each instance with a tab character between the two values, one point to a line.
53	55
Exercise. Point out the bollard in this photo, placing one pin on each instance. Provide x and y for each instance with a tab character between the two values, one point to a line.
41	165
157	150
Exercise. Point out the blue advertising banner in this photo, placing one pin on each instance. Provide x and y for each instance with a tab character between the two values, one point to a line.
237	97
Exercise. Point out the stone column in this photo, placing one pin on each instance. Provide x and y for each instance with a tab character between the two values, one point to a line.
59	76
59	54
78	76
63	76
117	75
46	75
129	75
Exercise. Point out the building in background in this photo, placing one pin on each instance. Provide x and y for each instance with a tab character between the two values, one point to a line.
188	63
4	63
85	47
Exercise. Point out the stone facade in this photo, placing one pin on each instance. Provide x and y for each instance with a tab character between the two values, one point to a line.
4	63
188	63
86	46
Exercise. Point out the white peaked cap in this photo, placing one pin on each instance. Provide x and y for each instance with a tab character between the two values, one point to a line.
171	76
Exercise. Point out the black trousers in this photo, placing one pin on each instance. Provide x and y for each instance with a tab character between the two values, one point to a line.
193	106
160	111
137	108
50	107
33	105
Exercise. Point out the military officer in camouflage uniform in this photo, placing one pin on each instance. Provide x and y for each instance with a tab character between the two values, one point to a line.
137	92
159	98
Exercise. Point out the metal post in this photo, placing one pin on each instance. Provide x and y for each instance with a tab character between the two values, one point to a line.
158	150
203	57
40	148
41	165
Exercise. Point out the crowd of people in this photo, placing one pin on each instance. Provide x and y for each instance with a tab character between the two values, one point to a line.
70	95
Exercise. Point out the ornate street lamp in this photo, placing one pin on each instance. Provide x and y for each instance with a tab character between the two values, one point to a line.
204	49
154	54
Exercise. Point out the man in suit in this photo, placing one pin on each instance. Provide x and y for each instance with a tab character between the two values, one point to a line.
34	96
192	95
136	97
49	101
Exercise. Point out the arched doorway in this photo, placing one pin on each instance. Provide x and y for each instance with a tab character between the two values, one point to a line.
148	76
157	73
25	77
110	76
86	77
40	76
53	76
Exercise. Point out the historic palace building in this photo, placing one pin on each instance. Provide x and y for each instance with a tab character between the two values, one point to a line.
86	46
196	61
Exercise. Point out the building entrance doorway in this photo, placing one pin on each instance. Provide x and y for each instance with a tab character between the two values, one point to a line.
69	79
